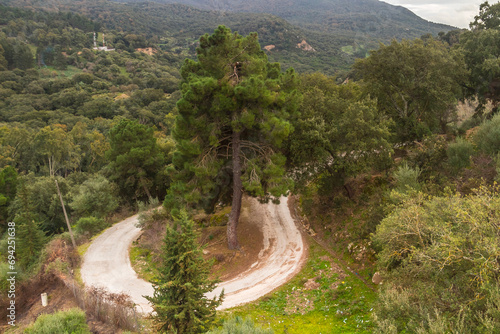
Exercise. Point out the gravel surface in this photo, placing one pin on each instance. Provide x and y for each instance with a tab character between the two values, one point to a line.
106	262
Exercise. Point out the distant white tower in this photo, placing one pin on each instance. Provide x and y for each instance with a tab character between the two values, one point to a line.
95	42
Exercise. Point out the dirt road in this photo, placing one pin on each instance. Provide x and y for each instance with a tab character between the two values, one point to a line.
106	263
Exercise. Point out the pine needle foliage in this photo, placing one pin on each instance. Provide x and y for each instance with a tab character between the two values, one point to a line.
233	119
29	233
179	299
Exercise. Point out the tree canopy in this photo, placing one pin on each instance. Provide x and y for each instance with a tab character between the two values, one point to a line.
338	132
233	119
136	160
481	48
417	83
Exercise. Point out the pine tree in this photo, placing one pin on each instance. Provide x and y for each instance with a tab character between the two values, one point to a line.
179	299
233	119
31	238
136	160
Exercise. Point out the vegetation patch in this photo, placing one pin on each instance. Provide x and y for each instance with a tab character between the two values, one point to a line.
337	302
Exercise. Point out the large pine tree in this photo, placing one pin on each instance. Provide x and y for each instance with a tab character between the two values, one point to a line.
233	119
179	300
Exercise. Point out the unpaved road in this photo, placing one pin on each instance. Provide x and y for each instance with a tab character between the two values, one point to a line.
106	263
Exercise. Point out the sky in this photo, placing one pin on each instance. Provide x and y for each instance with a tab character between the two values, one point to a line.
458	13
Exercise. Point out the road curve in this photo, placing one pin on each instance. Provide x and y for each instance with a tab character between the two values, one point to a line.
106	263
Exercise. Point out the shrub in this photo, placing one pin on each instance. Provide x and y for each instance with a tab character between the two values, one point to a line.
459	154
406	178
240	326
96	197
439	257
488	136
64	322
89	226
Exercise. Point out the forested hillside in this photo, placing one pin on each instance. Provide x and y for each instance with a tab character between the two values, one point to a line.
371	18
393	171
176	28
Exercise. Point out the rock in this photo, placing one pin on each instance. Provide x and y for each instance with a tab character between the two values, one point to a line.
205	252
376	279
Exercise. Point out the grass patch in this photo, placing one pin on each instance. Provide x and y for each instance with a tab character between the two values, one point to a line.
338	303
348	49
123	71
51	72
140	258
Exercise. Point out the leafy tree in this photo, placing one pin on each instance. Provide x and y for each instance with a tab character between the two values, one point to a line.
98	147
8	187
339	132
416	83
3	61
136	161
232	121
44	203
90	225
487	138
16	148
179	299
56	149
95	197
98	107
481	48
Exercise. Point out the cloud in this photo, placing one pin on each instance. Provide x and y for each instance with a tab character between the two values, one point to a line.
458	13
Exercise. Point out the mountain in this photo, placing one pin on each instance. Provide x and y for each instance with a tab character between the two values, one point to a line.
320	35
369	18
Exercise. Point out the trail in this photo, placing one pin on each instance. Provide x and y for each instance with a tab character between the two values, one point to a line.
106	263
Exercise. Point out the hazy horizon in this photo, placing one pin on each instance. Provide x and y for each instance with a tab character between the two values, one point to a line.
457	13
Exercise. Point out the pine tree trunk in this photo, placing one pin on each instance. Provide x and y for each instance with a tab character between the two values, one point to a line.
234	216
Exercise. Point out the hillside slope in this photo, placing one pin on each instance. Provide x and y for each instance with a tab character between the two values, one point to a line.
337	31
372	18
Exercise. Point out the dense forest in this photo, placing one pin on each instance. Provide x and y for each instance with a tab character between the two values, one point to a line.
176	27
393	158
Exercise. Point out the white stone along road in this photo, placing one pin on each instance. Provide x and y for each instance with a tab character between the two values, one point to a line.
106	263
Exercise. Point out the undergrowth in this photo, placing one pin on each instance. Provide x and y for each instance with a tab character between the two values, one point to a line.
322	298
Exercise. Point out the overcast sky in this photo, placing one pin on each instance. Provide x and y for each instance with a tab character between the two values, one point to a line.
458	13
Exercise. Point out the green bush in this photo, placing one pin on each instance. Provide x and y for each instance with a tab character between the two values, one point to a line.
96	196
89	226
439	257
239	326
64	322
487	137
459	154
406	178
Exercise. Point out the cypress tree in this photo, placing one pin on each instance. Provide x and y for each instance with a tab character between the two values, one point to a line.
179	299
31	238
233	119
